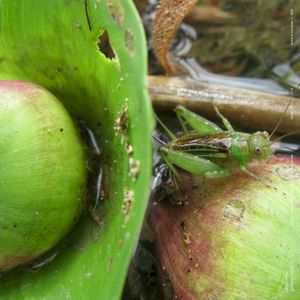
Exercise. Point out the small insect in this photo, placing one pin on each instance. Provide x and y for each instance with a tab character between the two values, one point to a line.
211	152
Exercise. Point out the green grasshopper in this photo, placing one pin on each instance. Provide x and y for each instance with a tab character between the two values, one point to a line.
209	151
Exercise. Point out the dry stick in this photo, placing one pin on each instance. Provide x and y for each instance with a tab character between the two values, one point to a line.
208	14
140	5
246	108
169	15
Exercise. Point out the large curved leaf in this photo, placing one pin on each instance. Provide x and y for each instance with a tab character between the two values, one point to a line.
56	44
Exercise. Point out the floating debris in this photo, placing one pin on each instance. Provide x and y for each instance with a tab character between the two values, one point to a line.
128	199
134	168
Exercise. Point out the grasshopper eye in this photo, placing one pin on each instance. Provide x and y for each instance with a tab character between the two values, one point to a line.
258	150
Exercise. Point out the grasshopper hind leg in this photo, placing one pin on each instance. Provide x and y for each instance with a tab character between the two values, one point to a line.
225	121
175	192
192	164
198	123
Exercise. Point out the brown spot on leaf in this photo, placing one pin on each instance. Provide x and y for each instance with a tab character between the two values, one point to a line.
288	172
117	11
105	46
130	42
234	209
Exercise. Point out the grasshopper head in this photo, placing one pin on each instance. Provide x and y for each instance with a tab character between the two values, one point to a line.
259	145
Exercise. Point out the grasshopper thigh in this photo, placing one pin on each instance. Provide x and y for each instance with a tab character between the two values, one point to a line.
193	164
225	121
197	122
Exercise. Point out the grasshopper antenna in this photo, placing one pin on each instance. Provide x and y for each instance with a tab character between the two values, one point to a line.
285	135
159	140
282	116
165	128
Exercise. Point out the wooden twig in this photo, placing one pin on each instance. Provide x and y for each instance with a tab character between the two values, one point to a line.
210	14
242	107
169	15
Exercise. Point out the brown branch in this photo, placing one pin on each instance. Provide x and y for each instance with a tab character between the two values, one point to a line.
209	14
246	108
169	15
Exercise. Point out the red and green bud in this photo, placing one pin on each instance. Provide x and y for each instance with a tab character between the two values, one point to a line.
237	238
42	172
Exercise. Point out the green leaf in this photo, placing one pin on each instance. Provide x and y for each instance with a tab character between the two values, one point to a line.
56	44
